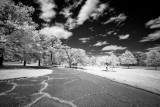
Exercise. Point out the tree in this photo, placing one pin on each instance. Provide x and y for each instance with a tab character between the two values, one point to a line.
80	56
74	55
13	16
93	61
103	60
113	60
137	55
60	56
53	44
127	58
142	60
153	58
21	42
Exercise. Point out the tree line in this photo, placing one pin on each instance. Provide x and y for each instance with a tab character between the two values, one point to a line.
24	43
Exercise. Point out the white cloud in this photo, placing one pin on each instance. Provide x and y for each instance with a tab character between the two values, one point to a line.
100	43
87	10
154	23
84	40
47	9
75	4
118	19
56	31
155	48
110	32
122	37
70	23
152	37
66	12
98	11
110	53
113	48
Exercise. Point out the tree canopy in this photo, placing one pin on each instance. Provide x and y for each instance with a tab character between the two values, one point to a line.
153	58
127	58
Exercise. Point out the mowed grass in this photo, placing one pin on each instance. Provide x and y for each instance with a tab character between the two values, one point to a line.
12	70
141	77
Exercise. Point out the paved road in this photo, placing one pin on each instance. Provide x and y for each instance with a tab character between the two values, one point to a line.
71	88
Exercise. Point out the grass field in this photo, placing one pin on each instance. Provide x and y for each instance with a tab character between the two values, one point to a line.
17	70
141	77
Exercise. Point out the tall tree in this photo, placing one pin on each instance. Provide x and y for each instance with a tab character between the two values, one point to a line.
80	56
142	60
53	44
70	52
137	55
113	60
13	16
153	58
93	61
21	41
127	58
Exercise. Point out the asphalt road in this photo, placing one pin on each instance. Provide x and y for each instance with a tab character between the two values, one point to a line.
71	88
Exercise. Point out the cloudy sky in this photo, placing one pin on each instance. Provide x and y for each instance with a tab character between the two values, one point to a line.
100	26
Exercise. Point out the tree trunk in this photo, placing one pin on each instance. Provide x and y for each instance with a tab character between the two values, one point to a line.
128	66
106	68
70	65
1	60
51	58
39	62
24	64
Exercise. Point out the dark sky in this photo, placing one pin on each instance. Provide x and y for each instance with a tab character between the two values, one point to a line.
100	26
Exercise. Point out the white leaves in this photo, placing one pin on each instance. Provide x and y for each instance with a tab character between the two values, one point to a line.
128	58
153	58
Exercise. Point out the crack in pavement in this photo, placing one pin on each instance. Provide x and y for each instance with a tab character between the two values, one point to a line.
132	105
71	81
118	99
44	94
14	86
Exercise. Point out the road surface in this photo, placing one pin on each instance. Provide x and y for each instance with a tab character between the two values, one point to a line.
71	88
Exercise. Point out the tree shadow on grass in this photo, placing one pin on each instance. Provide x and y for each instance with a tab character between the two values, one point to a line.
23	67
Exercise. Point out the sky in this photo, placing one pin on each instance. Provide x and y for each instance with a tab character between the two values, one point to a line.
100	26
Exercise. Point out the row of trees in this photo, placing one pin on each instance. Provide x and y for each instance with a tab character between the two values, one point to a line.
24	43
151	58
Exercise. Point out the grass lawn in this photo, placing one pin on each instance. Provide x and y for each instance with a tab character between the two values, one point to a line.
17	70
141	77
